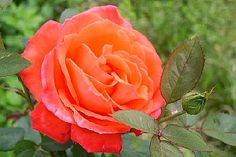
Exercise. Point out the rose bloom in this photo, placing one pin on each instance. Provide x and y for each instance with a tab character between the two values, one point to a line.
87	68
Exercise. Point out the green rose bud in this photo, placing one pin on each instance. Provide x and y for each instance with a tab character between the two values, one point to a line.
193	102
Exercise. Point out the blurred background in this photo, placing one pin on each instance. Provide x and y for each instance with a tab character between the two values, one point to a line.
166	23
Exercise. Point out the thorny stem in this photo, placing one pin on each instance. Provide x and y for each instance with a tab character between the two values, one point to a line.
15	90
170	117
27	94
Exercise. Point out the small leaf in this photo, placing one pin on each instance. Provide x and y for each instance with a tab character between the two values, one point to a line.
25	148
184	138
222	127
51	145
30	134
11	63
163	149
182	71
9	137
136	119
4	4
67	13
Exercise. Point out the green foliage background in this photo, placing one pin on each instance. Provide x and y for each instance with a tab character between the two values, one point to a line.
166	23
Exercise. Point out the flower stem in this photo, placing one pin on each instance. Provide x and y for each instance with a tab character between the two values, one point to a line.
27	94
170	117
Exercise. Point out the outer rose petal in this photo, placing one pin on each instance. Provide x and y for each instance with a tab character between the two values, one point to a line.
78	22
110	12
137	132
143	40
45	122
50	95
156	114
153	108
39	45
94	142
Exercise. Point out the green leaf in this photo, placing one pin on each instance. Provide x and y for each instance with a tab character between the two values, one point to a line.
77	150
183	70
163	149
11	63
134	146
184	138
39	153
218	152
136	119
30	134
51	145
201	154
222	127
9	137
67	13
25	148
4	4
188	120
7	154
60	154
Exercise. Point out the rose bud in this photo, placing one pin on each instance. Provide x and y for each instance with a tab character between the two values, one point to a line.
193	102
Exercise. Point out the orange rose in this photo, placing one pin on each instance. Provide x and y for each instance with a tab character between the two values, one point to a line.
84	70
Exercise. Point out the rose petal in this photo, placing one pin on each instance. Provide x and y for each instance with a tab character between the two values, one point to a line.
110	12
137	104
87	61
78	22
137	132
148	82
134	77
158	102
116	62
151	60
154	106
155	114
49	95
60	52
142	39
153	63
60	83
99	126
93	121
38	46
94	142
45	122
124	92
133	58
89	97
137	50
107	33
104	89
